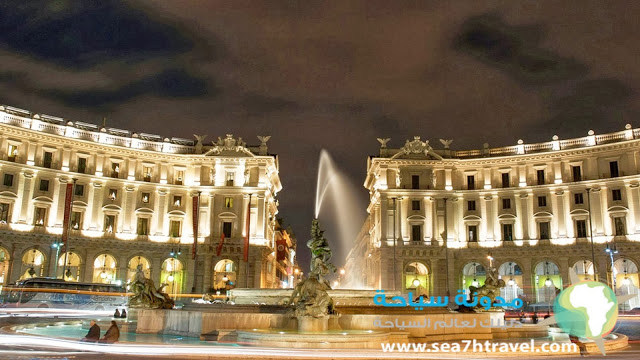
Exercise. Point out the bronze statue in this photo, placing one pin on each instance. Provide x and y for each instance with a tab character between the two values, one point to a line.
310	296
490	289
145	293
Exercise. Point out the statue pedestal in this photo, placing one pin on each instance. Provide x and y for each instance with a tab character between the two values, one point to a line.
311	324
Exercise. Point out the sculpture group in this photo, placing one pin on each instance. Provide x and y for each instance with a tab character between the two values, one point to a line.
310	296
145	293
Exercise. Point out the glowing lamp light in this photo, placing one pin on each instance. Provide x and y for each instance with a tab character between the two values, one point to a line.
475	283
511	282
416	283
170	278
342	271
118	282
626	281
225	278
103	275
336	283
547	282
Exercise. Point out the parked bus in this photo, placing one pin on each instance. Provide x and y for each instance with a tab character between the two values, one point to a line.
57	293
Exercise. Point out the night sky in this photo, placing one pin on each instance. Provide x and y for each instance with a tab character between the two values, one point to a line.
327	74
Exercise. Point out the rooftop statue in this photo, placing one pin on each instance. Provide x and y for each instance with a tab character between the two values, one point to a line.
145	293
310	295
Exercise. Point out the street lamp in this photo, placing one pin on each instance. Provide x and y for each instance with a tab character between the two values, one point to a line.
611	252
593	252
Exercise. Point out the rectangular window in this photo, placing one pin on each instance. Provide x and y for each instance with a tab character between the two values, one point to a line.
113	194
507	232
40	216
226	229
44	185
12	153
415	181
228	202
543	227
177	201
76	220
577	173
471	205
416	233
540	176
542	201
506	204
616	194
505	180
79	191
143	226
109	223
115	170
175	228
145	197
179	180
613	169
581	228
4	213
578	199
146	173
471	182
8	180
230	177
472	231
47	159
620	226
415	204
82	165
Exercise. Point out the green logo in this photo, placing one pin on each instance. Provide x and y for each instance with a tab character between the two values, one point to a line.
588	309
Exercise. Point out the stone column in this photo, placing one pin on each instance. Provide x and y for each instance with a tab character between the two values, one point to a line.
128	210
563	267
528	273
634	207
486	209
96	221
428	214
384	218
206	278
559	212
400	221
523	219
261	229
26	189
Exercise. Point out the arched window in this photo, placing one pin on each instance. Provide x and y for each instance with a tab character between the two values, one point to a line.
511	273
104	269
416	278
4	265
625	272
224	276
172	275
548	282
32	264
72	271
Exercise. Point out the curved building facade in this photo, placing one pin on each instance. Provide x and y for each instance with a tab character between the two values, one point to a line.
135	198
531	210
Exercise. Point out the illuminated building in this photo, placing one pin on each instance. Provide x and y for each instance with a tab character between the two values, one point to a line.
133	204
524	206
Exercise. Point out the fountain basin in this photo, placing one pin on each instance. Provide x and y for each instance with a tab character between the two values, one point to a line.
341	297
340	339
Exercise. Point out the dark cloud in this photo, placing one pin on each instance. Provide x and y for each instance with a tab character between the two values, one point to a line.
85	33
257	104
171	83
515	50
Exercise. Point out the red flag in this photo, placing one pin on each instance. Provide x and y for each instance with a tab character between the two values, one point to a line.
196	208
281	246
246	238
67	213
219	247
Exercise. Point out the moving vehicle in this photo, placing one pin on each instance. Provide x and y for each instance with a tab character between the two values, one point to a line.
61	294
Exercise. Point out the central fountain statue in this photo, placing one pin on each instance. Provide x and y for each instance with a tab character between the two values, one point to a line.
145	294
310	298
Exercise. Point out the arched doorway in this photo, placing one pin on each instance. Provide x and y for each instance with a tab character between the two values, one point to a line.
511	273
224	275
626	273
132	267
104	269
416	278
548	282
4	266
72	271
473	274
173	275
32	264
584	270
